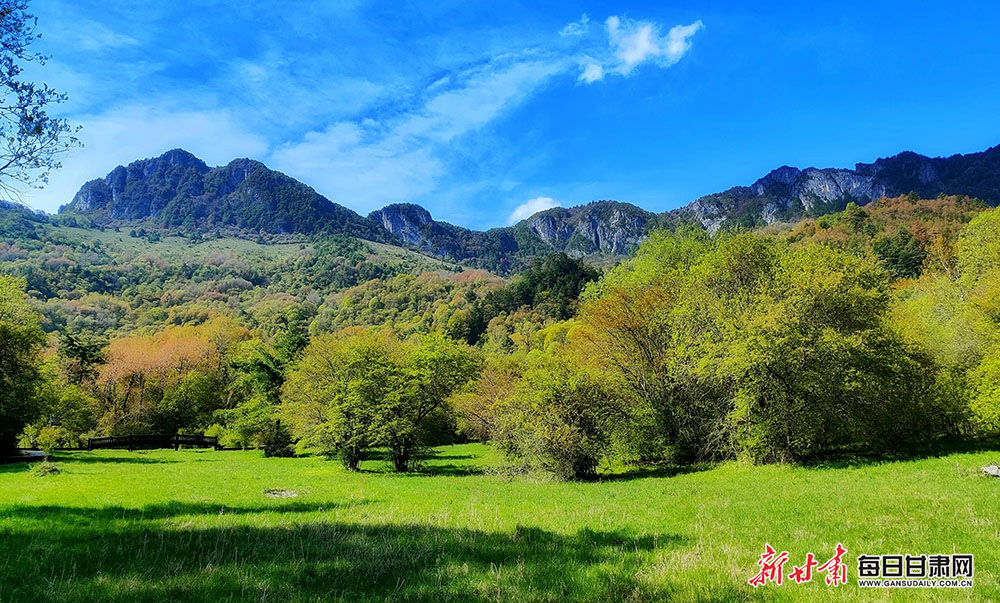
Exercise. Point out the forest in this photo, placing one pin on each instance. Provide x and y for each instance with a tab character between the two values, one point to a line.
869	331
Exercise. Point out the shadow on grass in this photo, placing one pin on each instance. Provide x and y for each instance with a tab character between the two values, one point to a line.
430	465
449	469
427	470
380	454
18	467
323	561
132	458
847	458
56	514
85	457
653	472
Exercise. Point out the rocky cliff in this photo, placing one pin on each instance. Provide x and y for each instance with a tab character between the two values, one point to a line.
788	193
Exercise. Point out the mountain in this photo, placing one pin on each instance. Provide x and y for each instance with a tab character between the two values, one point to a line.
177	189
788	193
180	191
605	228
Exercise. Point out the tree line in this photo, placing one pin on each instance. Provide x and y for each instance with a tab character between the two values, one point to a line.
781	345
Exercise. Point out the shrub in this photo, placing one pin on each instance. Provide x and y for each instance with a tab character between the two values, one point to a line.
561	419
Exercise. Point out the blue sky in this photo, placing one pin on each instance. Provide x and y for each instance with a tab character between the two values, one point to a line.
482	111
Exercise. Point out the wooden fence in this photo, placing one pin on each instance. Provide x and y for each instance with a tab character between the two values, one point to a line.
140	442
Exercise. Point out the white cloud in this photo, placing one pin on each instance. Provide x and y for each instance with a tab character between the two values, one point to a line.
678	40
121	135
358	166
530	208
577	28
592	71
635	42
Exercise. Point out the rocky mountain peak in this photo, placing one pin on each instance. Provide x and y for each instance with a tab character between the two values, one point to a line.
785	174
788	193
407	221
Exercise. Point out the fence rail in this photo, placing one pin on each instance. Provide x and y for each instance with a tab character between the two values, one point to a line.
134	442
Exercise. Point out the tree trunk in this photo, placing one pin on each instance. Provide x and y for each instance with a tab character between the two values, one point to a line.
401	457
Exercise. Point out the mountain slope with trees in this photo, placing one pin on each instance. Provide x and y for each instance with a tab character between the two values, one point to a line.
788	343
178	190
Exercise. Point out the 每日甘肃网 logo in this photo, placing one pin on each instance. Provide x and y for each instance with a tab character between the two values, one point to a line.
916	571
874	571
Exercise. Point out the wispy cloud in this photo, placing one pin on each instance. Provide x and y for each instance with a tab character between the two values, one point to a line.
530	208
89	35
576	28
369	163
635	42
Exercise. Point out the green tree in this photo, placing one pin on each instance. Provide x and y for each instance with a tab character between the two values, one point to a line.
553	284
21	343
902	254
337	390
257	374
355	390
811	367
81	356
561	418
48	440
745	347
431	372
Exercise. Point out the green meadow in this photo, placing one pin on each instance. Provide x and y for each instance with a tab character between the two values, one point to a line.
197	525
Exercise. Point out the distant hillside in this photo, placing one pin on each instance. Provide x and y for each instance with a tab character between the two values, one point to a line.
179	191
789	193
20	221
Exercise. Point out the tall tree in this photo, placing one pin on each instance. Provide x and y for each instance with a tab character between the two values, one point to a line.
21	342
432	372
333	395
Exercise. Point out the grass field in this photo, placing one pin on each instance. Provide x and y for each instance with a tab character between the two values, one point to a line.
197	525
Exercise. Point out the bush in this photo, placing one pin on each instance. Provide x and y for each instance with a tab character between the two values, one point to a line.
45	468
748	348
561	419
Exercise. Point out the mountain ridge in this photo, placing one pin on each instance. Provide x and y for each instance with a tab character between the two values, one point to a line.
179	190
787	193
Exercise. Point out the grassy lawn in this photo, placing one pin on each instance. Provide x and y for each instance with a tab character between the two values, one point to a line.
197	525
